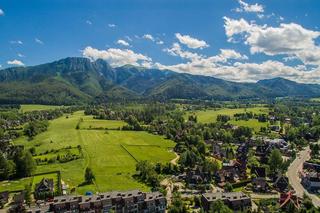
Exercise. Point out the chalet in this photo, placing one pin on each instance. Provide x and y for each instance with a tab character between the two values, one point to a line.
258	171
259	184
234	200
46	186
281	183
287	198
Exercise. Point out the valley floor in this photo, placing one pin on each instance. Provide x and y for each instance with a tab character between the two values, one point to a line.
112	154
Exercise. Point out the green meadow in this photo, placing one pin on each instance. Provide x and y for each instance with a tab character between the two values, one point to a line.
36	107
112	154
210	115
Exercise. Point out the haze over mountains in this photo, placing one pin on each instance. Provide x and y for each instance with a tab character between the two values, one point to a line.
78	80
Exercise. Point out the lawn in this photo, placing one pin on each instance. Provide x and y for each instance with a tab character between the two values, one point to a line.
36	107
112	164
89	122
252	123
209	116
15	185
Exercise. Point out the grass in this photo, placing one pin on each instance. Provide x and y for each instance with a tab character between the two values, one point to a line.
112	164
210	116
252	123
15	185
36	107
89	122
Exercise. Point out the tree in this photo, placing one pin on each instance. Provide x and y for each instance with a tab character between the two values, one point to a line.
25	165
27	194
228	187
219	207
177	205
275	161
89	176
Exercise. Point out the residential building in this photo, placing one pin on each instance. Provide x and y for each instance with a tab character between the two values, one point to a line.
234	200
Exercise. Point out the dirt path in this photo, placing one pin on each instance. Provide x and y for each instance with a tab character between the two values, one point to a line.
175	160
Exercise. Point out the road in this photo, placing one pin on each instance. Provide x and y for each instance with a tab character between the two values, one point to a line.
294	179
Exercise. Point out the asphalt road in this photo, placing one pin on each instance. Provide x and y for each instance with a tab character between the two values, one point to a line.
294	179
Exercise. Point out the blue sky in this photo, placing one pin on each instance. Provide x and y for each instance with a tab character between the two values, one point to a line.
238	40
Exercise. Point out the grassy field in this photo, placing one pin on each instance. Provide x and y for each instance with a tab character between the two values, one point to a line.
111	154
36	107
209	116
89	122
252	123
15	185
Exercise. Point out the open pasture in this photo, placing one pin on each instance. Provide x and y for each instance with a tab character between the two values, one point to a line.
103	151
210	115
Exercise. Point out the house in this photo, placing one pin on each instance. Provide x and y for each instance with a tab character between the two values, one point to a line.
281	183
44	189
234	200
45	185
287	198
259	184
4	198
258	171
311	166
311	181
130	201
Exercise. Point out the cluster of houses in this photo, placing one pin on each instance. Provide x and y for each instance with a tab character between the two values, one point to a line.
129	201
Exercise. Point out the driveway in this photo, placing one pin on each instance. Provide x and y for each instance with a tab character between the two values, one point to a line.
294	179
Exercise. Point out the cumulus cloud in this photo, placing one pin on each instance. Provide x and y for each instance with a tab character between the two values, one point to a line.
88	22
250	8
15	62
190	42
116	57
148	37
112	25
38	41
1	12
290	39
123	42
21	55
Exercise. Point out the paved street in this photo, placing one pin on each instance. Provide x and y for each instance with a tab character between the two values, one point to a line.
294	179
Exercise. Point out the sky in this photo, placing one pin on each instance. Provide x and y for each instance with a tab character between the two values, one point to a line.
236	40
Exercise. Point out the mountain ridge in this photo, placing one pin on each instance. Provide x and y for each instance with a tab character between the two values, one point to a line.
74	80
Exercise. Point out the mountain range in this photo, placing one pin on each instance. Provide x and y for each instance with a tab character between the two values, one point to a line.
78	80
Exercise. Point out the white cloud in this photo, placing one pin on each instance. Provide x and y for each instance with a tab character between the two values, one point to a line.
1	12
112	25
116	57
15	62
159	42
123	42
21	55
176	50
148	37
250	8
88	22
16	42
289	39
38	41
190	42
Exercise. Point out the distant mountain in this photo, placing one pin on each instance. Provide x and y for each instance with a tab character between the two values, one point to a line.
78	80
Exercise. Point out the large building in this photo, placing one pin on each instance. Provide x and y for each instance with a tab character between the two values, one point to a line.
130	201
234	200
